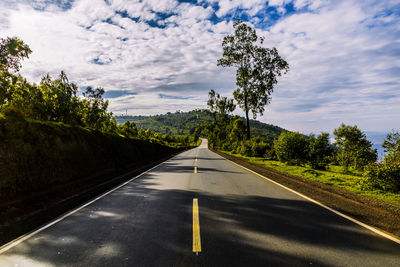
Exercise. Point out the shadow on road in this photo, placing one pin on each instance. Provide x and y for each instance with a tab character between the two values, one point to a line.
138	225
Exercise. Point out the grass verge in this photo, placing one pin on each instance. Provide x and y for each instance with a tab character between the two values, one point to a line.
333	176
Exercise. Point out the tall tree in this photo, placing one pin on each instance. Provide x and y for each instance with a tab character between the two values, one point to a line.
257	69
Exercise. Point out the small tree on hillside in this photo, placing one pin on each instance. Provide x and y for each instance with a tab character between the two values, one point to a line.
292	147
220	108
392	142
354	149
320	150
257	69
385	175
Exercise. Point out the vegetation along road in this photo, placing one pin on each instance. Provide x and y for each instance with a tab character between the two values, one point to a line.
199	209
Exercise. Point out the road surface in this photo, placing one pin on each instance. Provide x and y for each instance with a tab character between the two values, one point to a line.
242	220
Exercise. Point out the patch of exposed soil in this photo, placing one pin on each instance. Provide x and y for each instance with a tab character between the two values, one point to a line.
366	209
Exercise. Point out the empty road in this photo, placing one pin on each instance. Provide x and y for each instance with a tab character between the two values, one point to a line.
237	219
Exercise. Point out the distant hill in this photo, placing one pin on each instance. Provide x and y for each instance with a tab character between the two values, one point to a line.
186	122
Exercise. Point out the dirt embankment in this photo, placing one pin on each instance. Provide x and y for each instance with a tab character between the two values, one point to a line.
366	209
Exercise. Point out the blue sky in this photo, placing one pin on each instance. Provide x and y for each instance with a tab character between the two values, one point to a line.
155	56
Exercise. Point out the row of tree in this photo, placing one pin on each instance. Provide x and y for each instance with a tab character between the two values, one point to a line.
130	130
51	99
58	100
351	148
257	69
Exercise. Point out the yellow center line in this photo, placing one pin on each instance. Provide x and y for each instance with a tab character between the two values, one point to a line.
195	169
196	227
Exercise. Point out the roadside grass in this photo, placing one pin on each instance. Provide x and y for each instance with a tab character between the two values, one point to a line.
351	181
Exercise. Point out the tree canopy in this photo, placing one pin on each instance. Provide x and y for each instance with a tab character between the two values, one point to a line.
354	149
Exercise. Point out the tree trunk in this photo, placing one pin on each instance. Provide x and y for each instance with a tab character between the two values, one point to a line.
246	108
247	125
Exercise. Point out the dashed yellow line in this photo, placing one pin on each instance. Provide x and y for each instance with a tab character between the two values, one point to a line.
196	227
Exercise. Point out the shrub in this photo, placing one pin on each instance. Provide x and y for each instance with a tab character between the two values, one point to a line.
292	148
259	149
320	151
270	153
246	148
384	176
13	113
227	147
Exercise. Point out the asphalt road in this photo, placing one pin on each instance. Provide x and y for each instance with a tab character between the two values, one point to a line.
244	220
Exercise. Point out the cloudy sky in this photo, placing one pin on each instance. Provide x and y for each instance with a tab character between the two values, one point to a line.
155	56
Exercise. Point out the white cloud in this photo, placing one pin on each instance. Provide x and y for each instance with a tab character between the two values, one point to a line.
343	55
339	70
251	6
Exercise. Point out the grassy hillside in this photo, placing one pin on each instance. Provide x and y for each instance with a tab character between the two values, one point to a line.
36	155
185	123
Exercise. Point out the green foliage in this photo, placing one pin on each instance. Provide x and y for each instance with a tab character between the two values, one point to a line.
392	142
220	107
260	149
257	69
50	135
384	176
52	100
229	132
292	148
238	130
187	122
320	151
354	149
57	100
35	155
245	148
128	129
12	51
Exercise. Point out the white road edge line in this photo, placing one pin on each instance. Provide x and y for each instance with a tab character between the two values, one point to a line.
373	229
24	237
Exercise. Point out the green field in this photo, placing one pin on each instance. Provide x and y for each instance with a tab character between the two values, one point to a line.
351	181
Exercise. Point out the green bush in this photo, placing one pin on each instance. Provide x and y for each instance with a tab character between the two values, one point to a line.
320	151
292	148
259	149
246	148
384	176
